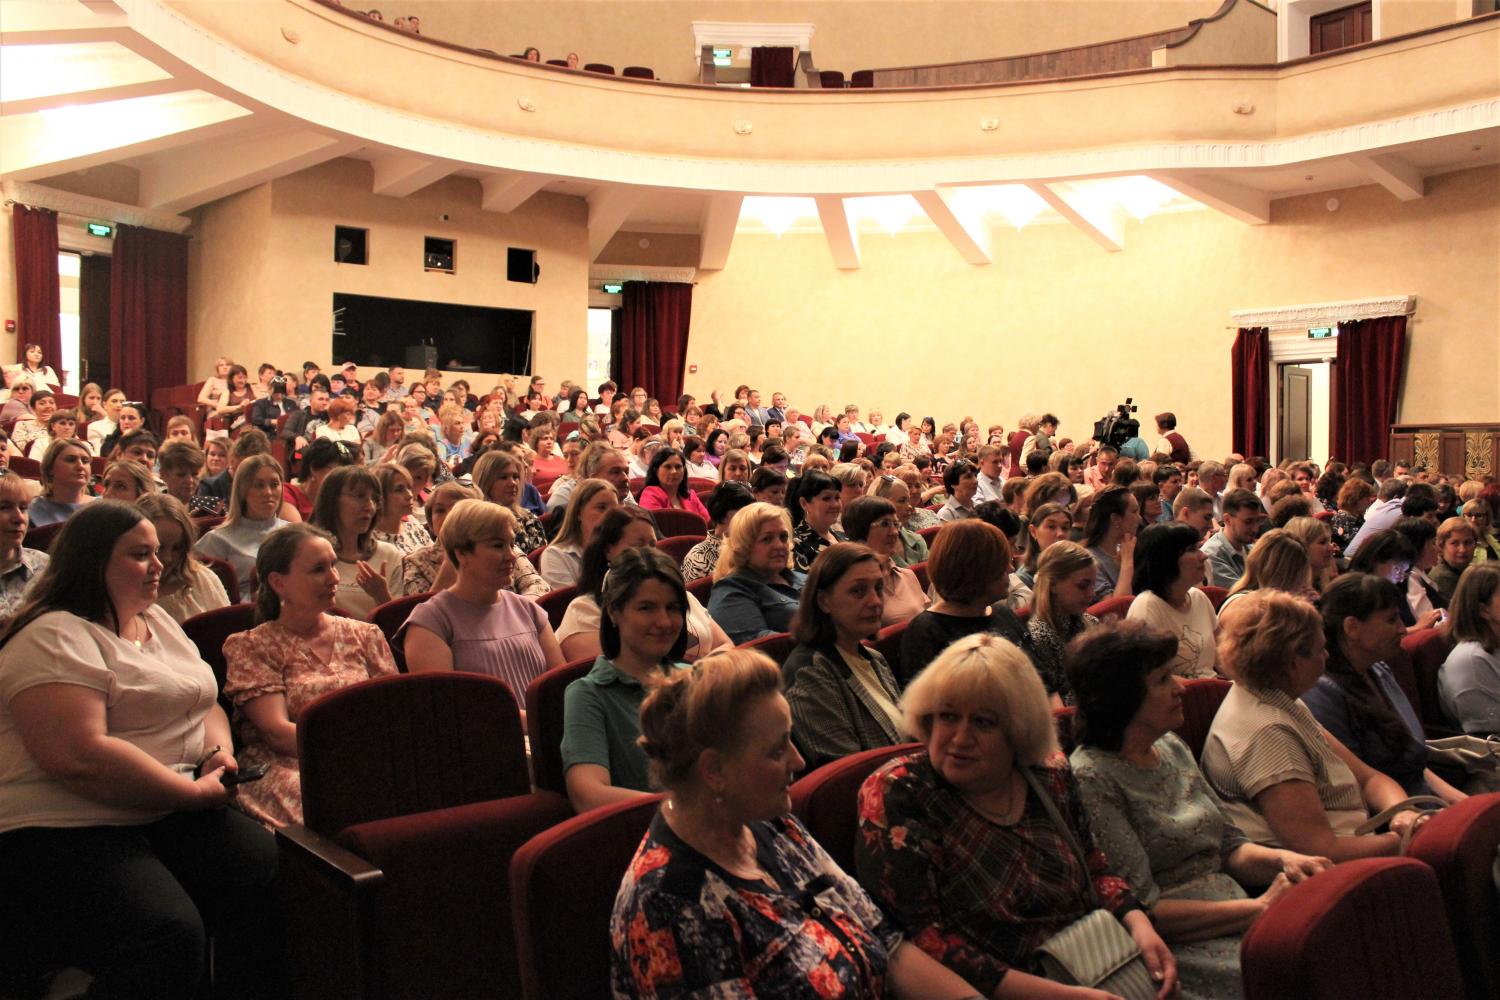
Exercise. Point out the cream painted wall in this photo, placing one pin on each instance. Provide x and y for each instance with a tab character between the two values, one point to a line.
262	273
1055	323
1397	17
850	35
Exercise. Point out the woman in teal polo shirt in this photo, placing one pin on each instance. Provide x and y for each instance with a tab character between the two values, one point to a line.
643	632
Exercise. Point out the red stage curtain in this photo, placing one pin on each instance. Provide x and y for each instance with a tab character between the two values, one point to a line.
38	300
1367	386
1250	360
773	66
653	337
148	311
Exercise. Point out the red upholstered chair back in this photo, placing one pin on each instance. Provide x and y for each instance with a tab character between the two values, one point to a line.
1324	515
535	555
41	537
562	887
1459	843
406	744
928	534
29	468
1201	699
389	618
888	641
1368	928
831	79
209	630
680	522
555	603
778	646
1428	649
599	68
1111	607
639	72
226	574
702	588
1215	594
700	485
827	800
919	570
677	547
544	721
862	78
636	484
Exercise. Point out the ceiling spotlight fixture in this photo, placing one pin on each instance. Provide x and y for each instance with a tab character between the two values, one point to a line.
890	212
777	214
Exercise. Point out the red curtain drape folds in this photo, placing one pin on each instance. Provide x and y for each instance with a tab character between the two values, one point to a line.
654	323
38	298
773	66
1250	360
148	311
1367	386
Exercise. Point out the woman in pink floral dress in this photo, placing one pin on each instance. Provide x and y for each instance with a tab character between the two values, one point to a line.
297	653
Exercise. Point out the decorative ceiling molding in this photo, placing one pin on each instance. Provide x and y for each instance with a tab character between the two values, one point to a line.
65	202
635	272
748	34
217	66
1305	317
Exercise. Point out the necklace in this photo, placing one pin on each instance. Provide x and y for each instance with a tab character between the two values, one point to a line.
141	630
1001	816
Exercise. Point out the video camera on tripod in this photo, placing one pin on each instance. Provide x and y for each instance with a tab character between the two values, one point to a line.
1118	426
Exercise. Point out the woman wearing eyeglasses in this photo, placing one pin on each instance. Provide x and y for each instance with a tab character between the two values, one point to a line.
1481	517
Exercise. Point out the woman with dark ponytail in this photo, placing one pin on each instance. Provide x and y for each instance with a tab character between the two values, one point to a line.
1357	699
296	652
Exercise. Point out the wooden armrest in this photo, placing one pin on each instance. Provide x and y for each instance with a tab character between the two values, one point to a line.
344	865
329	893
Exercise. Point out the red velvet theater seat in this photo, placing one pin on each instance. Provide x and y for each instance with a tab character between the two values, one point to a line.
544	720
679	522
415	794
563	884
1367	929
827	800
1459	843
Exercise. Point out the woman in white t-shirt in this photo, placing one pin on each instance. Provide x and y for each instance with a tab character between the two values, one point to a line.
114	753
1168	572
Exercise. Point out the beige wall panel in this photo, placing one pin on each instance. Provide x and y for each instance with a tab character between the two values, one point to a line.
1057	324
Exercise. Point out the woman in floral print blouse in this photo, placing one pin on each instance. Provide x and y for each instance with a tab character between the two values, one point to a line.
728	895
956	845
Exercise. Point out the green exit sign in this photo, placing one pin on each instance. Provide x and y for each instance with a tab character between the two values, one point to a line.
723	57
1320	333
103	230
612	288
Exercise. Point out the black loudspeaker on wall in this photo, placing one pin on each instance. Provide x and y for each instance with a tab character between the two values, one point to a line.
521	265
421	356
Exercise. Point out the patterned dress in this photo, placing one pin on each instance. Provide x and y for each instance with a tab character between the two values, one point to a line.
1167	834
419	571
412	536
269	659
1046	645
683	926
702	558
807	543
978	896
530	535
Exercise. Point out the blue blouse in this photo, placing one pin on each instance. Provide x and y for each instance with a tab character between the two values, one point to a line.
746	607
1405	763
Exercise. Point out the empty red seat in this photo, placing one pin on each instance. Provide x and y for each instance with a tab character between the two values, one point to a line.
1111	607
544	723
1368	928
827	800
862	78
209	630
555	603
226	574
700	486
831	79
677	547
1459	843
29	468
600	68
390	616
563	884
558	62
638	73
679	522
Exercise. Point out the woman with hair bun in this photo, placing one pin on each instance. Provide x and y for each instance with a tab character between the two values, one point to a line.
296	652
718	900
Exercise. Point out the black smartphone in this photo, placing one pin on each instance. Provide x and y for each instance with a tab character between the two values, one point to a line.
244	775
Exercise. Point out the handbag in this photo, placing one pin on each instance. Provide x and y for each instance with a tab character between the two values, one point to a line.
1425	803
1095	950
1475	754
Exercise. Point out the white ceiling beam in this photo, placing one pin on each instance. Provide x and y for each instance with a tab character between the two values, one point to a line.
399	174
721	216
50	22
838	229
1392	173
209	171
1237	201
46	143
970	237
505	193
1104	224
609	207
95	95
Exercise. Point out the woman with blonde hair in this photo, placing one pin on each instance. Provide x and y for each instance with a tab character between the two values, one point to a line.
1241	477
1064	591
1317	538
126	481
382	443
1277	561
394	523
978	844
756	590
562	560
19	566
420	461
478	624
187	586
65	482
254	503
500	478
1049	487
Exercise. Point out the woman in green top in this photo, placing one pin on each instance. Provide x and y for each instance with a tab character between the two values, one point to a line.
643	633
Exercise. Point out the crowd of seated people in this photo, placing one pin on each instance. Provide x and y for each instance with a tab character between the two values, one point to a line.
992	614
